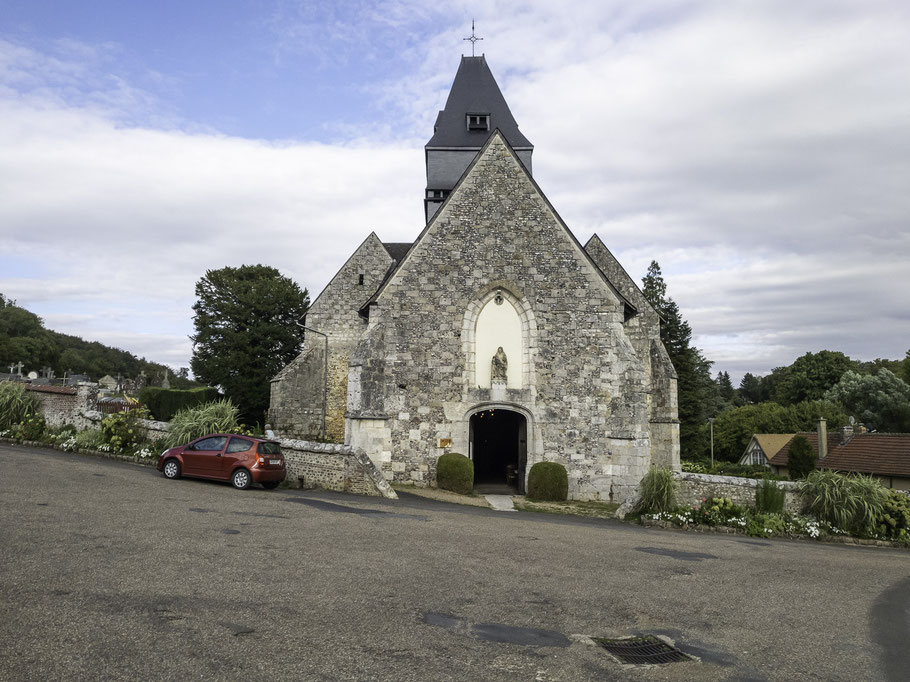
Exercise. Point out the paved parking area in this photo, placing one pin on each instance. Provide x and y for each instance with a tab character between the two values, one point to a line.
109	571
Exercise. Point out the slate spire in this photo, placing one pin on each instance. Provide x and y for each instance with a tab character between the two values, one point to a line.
474	109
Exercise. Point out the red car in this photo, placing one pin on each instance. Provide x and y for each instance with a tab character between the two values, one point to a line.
242	460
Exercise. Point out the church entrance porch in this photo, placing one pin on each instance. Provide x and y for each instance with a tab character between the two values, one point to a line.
498	447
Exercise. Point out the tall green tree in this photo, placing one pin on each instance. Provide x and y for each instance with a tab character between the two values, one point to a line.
881	400
697	390
246	331
802	459
750	389
810	376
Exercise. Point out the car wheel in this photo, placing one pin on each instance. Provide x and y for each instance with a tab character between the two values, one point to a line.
241	479
270	485
171	469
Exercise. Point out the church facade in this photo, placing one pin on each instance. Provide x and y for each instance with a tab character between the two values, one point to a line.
495	333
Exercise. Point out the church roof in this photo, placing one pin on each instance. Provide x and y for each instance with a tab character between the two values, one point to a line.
397	250
475	91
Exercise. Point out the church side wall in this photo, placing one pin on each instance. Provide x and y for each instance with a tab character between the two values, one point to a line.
295	408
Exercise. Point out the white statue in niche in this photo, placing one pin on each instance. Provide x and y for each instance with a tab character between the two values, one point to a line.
500	367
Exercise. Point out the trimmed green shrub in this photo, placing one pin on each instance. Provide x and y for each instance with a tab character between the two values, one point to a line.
548	482
769	497
195	422
657	490
164	403
852	502
801	460
16	405
455	472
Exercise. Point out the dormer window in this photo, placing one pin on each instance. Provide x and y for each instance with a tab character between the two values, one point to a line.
478	122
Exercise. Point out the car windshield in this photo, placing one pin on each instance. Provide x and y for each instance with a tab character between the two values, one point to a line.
269	449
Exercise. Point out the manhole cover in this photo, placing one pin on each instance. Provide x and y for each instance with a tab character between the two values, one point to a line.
644	650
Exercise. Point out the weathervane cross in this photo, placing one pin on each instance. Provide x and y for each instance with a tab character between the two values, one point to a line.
473	38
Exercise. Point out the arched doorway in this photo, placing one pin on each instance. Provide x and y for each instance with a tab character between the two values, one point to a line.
499	448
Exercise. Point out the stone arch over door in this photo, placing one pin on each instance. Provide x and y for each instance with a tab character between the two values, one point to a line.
500	292
526	438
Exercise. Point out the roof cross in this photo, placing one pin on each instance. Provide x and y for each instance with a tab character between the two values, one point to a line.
473	38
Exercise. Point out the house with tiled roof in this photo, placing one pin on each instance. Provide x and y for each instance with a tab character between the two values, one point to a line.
883	455
763	446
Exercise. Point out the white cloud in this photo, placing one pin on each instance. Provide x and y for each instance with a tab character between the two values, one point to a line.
759	151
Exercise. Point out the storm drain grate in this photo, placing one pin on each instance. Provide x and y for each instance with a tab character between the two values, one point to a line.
644	650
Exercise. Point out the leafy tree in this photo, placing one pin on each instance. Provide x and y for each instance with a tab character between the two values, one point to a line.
750	389
246	331
882	399
810	376
802	459
696	388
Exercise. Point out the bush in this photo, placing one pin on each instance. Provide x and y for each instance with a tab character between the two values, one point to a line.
16	405
742	470
548	482
801	460
90	439
164	403
455	472
852	502
657	490
894	519
122	430
31	428
769	498
719	511
195	422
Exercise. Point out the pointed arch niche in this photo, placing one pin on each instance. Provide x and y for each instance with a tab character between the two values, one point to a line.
499	318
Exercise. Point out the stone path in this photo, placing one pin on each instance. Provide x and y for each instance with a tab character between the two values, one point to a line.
500	502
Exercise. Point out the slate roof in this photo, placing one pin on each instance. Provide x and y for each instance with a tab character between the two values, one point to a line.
474	91
397	250
885	454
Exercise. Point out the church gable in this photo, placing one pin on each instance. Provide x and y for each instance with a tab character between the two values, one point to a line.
335	310
616	273
497	216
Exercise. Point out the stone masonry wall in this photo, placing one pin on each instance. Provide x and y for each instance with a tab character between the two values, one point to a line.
695	487
70	407
333	467
295	408
588	398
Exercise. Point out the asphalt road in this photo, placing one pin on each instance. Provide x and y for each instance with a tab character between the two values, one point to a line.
109	571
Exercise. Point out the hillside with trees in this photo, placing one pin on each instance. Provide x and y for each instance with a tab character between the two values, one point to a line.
24	338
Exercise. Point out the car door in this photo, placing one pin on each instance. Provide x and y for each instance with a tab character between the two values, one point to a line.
203	458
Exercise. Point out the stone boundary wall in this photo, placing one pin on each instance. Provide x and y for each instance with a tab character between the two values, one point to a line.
694	487
333	467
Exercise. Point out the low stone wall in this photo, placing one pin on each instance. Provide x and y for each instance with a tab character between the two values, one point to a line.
695	487
333	467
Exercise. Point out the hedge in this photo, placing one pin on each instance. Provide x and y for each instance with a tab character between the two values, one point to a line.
548	481
455	472
164	403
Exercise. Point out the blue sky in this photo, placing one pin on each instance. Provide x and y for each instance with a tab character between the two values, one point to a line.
759	151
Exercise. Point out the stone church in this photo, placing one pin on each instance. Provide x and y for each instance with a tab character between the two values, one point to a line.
495	333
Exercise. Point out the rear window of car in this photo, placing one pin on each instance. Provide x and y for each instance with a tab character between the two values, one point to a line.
269	449
239	445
